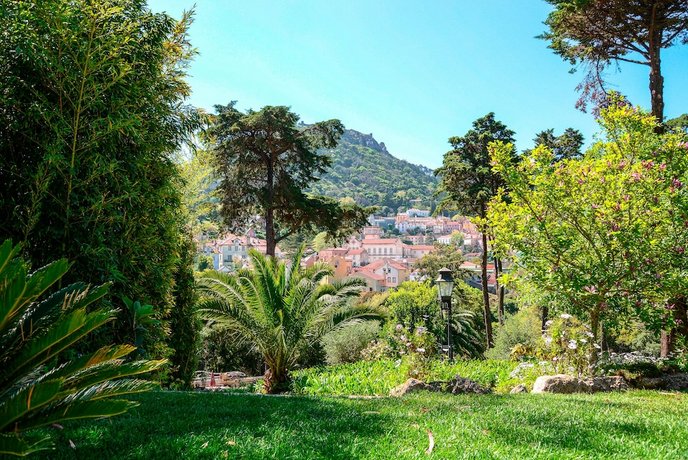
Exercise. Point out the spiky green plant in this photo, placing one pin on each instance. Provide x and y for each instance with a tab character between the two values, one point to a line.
281	308
36	390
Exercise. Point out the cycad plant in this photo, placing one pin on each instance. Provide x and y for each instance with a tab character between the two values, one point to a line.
38	390
281	308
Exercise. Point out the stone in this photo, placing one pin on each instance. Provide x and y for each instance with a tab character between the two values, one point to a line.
559	383
410	386
460	385
671	382
520	388
608	383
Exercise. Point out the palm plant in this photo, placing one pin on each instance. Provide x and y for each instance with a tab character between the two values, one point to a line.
35	389
281	309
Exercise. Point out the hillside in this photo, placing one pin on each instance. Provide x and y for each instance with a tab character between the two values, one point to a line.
364	170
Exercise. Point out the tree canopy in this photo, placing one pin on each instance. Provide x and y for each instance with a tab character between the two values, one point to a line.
266	160
596	33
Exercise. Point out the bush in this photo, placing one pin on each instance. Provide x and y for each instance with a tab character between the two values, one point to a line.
35	389
346	344
567	344
521	331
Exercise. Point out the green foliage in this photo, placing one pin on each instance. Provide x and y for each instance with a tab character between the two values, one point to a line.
521	331
185	325
602	237
595	34
379	377
37	391
568	344
415	304
444	255
198	194
92	111
568	145
265	160
364	170
346	344
281	308
223	352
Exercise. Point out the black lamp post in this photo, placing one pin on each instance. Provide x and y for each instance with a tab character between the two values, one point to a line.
445	286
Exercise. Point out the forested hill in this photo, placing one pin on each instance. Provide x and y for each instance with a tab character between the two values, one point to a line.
364	170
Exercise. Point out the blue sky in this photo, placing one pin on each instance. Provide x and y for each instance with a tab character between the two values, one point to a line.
412	73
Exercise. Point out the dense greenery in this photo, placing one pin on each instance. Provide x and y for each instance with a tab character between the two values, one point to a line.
92	108
469	183
281	309
37	391
364	170
603	237
615	426
265	160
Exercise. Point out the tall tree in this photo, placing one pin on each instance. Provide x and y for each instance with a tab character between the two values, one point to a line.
469	184
567	145
596	33
266	160
92	109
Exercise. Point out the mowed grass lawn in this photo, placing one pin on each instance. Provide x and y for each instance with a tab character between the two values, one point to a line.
173	425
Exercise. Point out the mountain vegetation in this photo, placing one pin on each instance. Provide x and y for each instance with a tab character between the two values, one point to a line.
364	170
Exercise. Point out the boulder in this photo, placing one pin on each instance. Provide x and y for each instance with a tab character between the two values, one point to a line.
671	382
567	384
559	383
410	386
610	383
520	388
460	385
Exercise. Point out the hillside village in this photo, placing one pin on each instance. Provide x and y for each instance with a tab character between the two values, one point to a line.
383	254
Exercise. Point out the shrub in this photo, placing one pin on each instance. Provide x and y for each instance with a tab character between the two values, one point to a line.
520	331
345	345
37	391
568	344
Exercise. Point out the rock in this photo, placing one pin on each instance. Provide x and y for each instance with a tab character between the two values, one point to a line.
671	382
610	383
410	386
520	388
676	382
460	385
559	383
567	384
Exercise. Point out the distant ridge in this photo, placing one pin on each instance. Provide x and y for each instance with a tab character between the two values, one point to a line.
364	170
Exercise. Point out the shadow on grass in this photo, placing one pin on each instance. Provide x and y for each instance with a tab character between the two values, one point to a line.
176	425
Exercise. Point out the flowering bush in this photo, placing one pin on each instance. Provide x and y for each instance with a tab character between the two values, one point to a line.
414	347
567	344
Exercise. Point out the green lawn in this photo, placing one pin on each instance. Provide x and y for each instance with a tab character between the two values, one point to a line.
171	425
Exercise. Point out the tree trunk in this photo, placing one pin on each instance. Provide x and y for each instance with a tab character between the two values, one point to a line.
595	329
270	233
545	316
276	381
656	78
500	291
487	315
269	212
679	327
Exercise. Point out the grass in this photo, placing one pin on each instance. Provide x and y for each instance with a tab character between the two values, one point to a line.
379	377
174	425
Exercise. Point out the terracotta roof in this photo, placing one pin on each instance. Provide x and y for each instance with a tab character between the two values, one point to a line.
422	247
371	275
354	252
